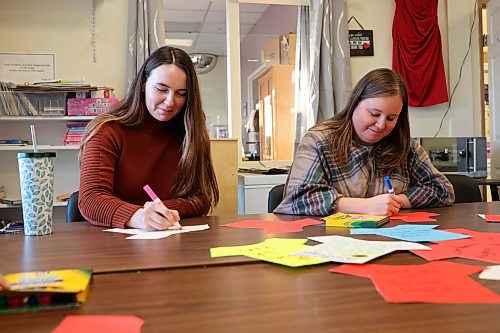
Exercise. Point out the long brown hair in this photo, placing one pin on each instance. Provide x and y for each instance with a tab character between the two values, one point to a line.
388	153
196	173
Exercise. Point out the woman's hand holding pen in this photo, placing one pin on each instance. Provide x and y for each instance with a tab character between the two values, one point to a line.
154	216
159	217
385	204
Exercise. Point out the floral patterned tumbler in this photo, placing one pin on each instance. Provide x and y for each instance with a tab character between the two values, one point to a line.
36	173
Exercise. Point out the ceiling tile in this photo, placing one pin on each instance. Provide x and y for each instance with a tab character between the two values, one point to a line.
214	28
182	26
215	17
253	8
215	48
186	5
184	15
218	6
249	18
211	38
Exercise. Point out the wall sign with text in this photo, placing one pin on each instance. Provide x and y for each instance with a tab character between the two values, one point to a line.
361	42
21	68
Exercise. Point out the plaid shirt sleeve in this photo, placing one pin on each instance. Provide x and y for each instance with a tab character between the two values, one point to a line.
309	190
429	188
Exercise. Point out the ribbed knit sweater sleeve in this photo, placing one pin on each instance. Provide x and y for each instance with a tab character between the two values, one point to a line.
119	160
97	201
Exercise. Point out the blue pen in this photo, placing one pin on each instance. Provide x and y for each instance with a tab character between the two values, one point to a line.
388	184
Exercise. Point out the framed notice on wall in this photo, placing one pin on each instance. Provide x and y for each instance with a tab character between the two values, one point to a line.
361	42
23	68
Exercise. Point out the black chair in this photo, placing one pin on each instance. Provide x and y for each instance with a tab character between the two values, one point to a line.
275	197
72	211
466	188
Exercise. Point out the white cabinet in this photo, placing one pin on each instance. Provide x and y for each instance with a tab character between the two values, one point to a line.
50	132
253	191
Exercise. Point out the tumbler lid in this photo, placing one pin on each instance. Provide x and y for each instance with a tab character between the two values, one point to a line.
36	155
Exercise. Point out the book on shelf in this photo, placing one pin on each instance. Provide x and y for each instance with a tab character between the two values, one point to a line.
74	133
33	291
11	201
355	220
13	142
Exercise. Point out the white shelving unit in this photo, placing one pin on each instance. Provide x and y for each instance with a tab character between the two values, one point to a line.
50	132
41	148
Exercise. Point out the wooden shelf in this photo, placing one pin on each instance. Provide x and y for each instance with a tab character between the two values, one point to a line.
46	118
40	148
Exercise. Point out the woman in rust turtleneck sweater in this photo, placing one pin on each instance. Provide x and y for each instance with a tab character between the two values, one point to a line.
157	136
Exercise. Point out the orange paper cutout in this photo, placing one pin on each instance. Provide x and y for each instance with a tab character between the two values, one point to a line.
492	218
100	324
434	282
415	217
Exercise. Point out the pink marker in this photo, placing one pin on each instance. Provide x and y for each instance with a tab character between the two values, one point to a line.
155	198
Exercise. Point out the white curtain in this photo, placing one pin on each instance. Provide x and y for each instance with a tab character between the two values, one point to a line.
146	33
323	70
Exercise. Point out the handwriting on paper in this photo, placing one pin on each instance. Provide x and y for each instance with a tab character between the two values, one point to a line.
275	250
354	251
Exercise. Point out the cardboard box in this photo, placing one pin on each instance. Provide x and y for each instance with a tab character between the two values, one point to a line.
89	106
281	50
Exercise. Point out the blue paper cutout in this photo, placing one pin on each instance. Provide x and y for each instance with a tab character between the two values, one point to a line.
411	233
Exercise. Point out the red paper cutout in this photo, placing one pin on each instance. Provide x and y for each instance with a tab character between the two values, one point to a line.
274	227
492	218
100	324
483	246
414	217
434	282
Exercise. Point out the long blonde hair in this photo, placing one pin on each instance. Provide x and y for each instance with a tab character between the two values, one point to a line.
196	173
390	152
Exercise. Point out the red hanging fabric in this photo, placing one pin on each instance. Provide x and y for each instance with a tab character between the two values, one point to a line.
416	52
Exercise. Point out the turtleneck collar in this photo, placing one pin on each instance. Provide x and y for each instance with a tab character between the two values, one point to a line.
163	127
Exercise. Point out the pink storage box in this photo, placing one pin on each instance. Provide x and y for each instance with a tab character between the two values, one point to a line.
89	106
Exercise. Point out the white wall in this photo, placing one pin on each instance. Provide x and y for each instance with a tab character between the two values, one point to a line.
455	20
64	27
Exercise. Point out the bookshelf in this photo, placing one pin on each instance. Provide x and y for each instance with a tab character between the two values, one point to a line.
50	133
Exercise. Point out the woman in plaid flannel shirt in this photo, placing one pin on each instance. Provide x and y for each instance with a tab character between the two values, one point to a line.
340	164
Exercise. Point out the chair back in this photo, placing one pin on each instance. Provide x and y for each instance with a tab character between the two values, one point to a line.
275	197
72	211
466	188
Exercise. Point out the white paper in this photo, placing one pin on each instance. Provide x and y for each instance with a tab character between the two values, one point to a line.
142	234
126	231
491	273
354	251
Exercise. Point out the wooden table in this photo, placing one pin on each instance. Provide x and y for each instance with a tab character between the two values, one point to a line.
82	245
183	290
263	298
